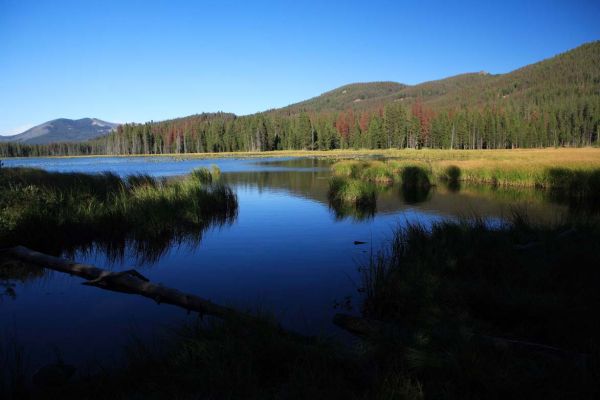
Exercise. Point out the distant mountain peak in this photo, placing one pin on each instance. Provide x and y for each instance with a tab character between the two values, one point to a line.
63	130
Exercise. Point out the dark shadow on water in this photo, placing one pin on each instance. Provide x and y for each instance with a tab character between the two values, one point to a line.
12	273
415	194
577	189
363	212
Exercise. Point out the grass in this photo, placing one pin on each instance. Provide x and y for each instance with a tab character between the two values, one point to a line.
450	284
355	185
217	360
548	156
352	197
228	360
63	212
407	173
568	175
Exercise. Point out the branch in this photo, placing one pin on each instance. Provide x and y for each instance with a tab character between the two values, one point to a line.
125	282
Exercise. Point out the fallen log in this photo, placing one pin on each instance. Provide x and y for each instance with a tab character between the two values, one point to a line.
369	328
130	281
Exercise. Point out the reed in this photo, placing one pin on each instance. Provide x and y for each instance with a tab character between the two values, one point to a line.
573	179
451	282
55	212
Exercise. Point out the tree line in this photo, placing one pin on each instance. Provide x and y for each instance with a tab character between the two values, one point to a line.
569	122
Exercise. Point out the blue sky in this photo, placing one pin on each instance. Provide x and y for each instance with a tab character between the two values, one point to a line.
151	60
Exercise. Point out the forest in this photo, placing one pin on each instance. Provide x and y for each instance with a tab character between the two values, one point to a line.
553	103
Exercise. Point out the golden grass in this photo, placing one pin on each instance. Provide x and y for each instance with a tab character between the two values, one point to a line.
579	156
574	169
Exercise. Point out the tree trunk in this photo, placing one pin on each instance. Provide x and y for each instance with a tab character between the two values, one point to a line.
125	282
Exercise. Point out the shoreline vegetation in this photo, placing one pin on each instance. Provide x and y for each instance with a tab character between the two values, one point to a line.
60	213
561	154
569	176
444	292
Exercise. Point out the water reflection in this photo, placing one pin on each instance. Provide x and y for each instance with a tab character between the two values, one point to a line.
415	194
451	198
13	273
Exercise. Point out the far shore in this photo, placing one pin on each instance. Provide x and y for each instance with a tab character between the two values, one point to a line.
586	156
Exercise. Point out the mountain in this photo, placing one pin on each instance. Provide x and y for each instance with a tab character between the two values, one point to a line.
355	95
573	73
63	130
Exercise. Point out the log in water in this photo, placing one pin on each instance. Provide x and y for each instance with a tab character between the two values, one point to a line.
129	281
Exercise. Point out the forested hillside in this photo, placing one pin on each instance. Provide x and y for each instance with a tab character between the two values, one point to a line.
555	102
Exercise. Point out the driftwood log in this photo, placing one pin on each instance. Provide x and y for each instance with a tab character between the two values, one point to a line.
129	281
367	328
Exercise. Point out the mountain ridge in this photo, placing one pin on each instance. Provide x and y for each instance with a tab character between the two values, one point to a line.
460	90
63	130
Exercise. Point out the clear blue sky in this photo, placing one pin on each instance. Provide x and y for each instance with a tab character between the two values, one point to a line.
141	60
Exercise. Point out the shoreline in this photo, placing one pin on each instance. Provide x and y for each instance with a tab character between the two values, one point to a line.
337	153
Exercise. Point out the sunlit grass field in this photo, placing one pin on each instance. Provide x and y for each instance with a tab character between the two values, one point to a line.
563	155
547	168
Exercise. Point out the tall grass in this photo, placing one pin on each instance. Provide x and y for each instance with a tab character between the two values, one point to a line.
55	212
352	197
354	187
569	180
448	284
384	172
228	360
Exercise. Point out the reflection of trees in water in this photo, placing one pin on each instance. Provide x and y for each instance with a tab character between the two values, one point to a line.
148	248
415	194
13	272
312	185
144	249
578	205
450	197
357	212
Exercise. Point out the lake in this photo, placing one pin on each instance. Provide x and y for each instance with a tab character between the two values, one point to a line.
287	253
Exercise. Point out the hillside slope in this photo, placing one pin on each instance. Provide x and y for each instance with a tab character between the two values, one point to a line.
573	73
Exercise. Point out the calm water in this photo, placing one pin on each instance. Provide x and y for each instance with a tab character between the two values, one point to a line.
287	253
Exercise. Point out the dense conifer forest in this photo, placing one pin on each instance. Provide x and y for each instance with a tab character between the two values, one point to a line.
555	102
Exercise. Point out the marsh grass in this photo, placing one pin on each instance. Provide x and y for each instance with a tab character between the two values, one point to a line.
57	212
447	284
352	197
384	172
563	178
229	360
355	185
226	360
